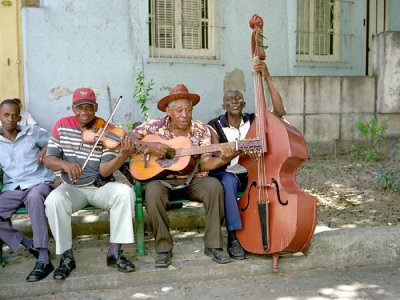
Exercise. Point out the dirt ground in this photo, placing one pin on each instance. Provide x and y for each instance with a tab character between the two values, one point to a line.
345	188
347	192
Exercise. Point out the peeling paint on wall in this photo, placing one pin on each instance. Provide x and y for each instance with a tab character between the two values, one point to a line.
58	92
235	80
127	117
166	88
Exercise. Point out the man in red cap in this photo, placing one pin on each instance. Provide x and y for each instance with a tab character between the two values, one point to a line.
68	152
194	184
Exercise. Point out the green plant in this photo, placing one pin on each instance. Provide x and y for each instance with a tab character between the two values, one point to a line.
388	177
141	92
397	154
374	135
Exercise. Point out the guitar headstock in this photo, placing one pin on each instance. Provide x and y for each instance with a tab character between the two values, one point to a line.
251	146
257	37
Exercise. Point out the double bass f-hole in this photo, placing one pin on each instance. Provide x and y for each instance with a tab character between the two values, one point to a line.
275	182
253	184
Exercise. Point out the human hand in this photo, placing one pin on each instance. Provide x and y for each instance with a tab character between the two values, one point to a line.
157	149
128	147
228	152
260	66
41	155
73	170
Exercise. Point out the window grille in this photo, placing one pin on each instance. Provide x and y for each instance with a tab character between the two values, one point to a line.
325	31
183	31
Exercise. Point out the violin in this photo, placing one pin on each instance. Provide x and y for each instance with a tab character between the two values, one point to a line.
100	131
111	138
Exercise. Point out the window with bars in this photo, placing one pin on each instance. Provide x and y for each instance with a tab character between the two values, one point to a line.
183	29
325	31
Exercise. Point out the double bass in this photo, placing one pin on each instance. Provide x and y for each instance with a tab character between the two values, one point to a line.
277	216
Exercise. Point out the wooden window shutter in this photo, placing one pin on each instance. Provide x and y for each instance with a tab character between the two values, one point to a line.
164	31
191	27
303	27
323	27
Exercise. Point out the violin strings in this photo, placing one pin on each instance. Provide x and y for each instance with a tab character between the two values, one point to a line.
113	136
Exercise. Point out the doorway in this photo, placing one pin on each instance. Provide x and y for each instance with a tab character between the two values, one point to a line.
10	54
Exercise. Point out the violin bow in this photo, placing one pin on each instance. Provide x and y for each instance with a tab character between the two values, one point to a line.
102	133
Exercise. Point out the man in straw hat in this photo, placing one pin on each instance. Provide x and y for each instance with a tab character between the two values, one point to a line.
194	185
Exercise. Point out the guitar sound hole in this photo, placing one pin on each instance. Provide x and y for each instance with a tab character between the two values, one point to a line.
170	153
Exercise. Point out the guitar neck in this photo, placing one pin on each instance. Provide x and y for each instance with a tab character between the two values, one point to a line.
201	149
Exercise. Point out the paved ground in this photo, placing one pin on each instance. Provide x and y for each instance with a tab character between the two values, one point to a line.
361	263
354	283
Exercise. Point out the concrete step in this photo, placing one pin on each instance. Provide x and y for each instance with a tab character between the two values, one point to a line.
341	248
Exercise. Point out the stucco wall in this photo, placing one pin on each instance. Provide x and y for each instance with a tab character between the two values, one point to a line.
326	109
104	45
393	12
70	43
386	63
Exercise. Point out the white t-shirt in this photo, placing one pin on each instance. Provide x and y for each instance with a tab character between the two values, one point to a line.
233	134
27	119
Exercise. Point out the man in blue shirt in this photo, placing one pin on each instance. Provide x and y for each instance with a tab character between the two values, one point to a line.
26	182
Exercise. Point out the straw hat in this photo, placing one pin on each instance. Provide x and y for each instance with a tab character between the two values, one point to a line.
178	92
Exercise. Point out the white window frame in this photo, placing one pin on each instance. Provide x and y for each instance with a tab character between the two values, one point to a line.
310	32
174	44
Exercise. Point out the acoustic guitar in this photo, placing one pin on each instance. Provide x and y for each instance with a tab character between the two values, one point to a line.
144	167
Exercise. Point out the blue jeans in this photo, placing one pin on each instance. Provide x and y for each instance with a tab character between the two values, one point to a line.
232	183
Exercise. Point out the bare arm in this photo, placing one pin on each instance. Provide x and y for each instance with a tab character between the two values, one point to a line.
277	104
214	136
127	149
73	170
209	162
41	155
155	148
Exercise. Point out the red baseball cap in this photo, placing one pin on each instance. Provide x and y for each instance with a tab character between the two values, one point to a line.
83	95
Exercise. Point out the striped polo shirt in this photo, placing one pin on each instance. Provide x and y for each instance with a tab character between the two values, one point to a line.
66	143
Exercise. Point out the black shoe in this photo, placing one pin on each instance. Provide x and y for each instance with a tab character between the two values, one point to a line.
218	255
67	264
163	259
40	271
35	252
236	251
120	262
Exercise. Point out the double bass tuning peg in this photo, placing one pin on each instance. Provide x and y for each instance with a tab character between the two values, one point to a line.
260	40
